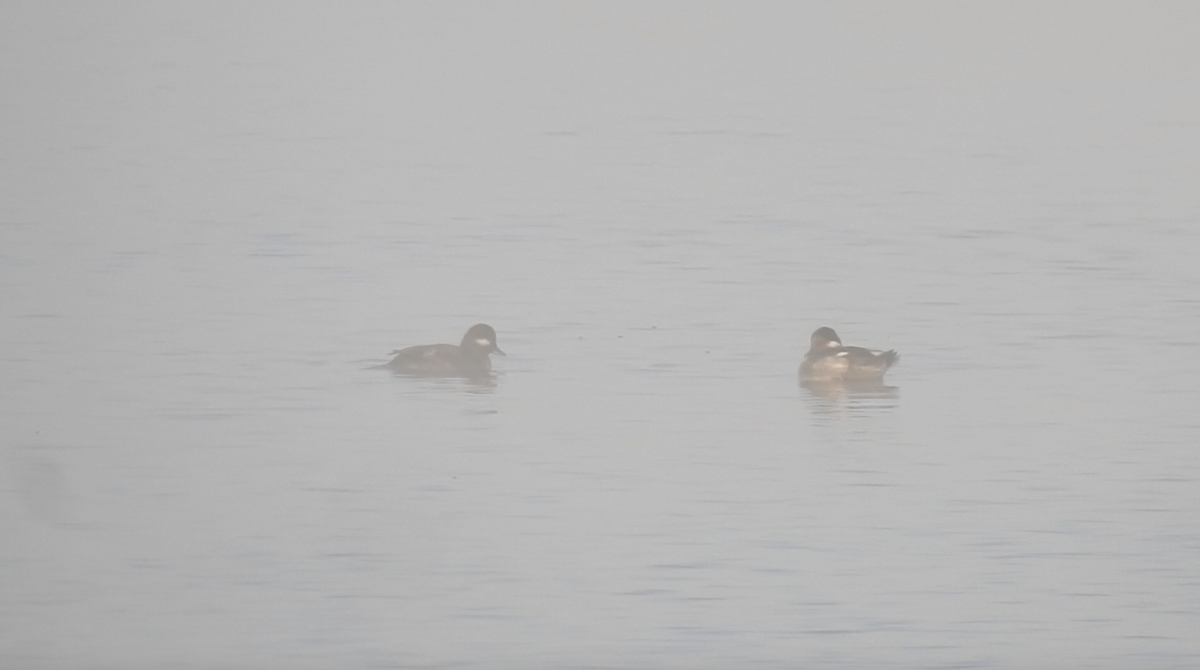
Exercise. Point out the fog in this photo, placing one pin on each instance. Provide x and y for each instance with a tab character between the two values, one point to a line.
216	219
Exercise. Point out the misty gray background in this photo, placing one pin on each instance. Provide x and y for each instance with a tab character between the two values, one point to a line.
215	217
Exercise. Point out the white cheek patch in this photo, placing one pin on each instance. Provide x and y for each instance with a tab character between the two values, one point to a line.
833	345
483	342
842	353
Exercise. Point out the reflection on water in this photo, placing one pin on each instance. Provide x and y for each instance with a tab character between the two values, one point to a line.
828	396
483	383
833	402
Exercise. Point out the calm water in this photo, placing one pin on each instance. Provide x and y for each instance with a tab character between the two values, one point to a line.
214	221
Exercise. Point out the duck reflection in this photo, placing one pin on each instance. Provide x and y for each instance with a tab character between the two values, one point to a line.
473	383
842	391
859	397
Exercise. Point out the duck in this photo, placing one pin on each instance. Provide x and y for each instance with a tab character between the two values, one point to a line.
470	358
828	360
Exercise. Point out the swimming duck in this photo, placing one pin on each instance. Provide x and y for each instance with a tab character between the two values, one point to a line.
468	359
829	360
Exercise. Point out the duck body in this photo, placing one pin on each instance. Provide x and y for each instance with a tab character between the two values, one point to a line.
828	360
470	358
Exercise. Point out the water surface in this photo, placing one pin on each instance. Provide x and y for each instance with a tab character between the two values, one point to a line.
214	221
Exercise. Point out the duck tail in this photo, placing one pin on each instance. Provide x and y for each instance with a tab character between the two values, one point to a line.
890	357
